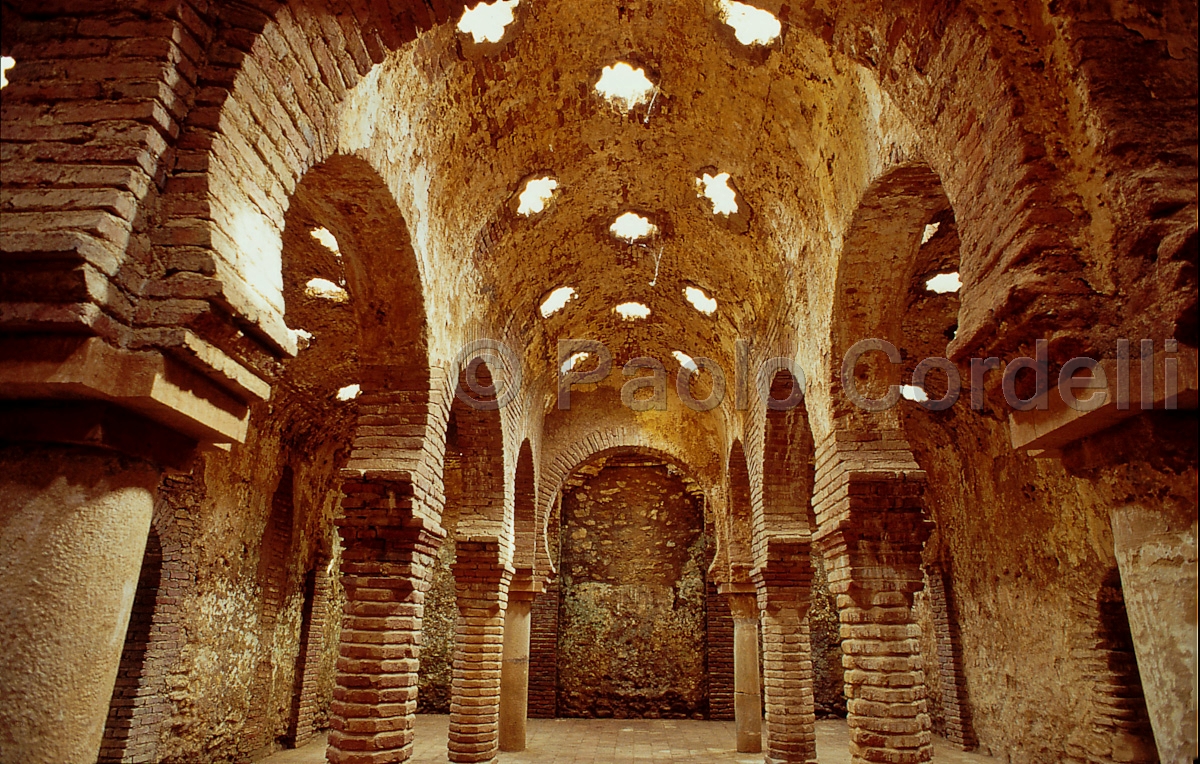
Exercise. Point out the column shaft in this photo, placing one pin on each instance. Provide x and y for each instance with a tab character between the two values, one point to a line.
747	694
784	587
386	560
73	527
514	673
481	582
1156	555
875	568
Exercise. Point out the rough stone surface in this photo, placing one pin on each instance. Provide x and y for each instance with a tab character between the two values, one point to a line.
632	629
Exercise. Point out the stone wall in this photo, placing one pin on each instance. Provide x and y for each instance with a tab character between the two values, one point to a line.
233	644
632	640
1033	607
437	636
828	696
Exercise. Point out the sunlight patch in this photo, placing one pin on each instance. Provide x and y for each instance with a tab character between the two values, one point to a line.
486	22
538	191
624	86
632	311
913	393
326	290
685	360
700	300
716	189
573	361
943	283
632	227
556	300
751	26
349	392
930	231
327	240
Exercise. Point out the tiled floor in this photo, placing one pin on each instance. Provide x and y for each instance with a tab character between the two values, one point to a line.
617	741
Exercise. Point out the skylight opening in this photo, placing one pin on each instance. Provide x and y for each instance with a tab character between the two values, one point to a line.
632	311
555	301
301	337
624	86
930	231
913	393
573	361
349	392
632	227
716	189
685	360
538	192
486	22
700	300
326	290
6	63
751	26
327	240
943	283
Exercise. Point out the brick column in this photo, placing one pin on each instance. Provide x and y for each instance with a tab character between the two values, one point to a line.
784	586
747	694
385	570
514	673
874	556
481	582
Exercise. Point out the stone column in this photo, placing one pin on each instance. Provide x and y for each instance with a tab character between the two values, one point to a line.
784	586
73	528
1156	555
386	560
874	559
481	582
747	695
514	671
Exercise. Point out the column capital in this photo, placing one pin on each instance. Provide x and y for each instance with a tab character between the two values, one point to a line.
525	586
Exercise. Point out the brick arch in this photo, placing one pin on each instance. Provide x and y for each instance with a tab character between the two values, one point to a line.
739	515
278	76
876	268
477	506
956	78
346	195
223	69
558	466
530	545
596	461
787	478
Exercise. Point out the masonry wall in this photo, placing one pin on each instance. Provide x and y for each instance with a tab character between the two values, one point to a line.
214	664
437	636
543	654
829	697
719	623
632	637
1042	649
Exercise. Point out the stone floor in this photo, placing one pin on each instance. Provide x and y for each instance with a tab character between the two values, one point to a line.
617	741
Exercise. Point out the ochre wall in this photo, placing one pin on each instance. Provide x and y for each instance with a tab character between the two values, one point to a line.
632	613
